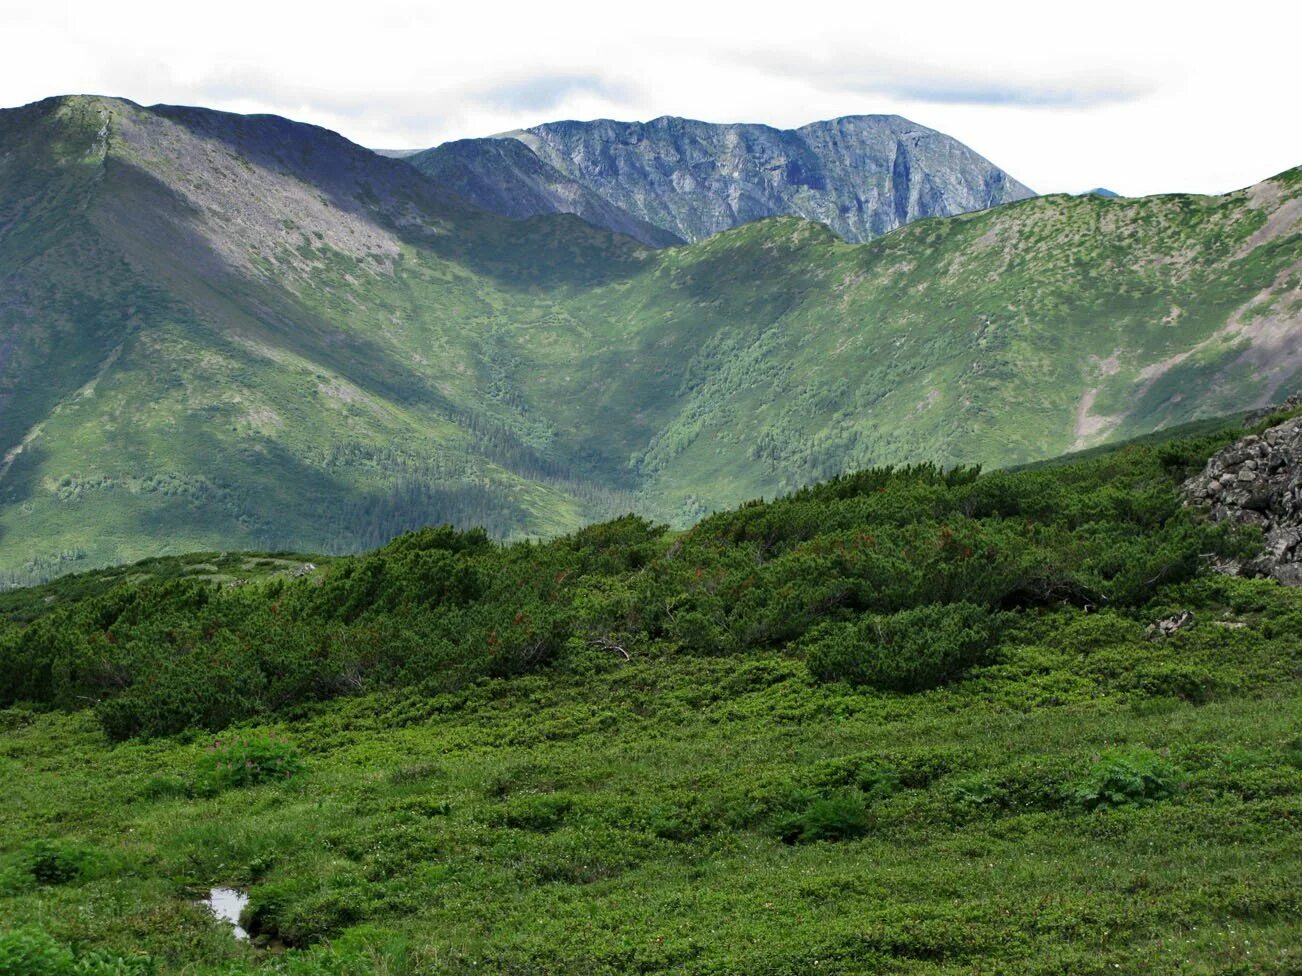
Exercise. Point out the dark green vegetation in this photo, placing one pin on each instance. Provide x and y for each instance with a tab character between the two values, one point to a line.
901	722
238	332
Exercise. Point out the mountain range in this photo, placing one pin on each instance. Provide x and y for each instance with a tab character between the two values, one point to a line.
223	331
861	176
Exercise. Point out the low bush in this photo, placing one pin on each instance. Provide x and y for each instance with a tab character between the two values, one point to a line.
248	761
537	813
976	791
888	578
907	651
54	862
163	786
842	816
1126	777
31	952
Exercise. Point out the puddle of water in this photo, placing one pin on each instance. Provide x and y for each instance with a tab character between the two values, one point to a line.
226	904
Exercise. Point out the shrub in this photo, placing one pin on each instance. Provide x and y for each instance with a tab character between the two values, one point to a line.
843	816
164	786
1188	682
865	772
30	952
299	913
107	964
907	651
247	761
537	813
54	862
976	791
413	773
425	806
1126	777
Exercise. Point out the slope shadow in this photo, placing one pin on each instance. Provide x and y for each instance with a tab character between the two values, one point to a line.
548	251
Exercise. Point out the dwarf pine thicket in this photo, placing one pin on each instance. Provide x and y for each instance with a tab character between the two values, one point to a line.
922	565
906	720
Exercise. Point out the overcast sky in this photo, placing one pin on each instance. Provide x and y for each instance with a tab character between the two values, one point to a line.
1141	97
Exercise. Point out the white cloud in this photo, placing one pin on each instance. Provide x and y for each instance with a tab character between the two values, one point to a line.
1141	97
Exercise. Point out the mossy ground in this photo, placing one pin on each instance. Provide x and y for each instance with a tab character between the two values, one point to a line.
613	817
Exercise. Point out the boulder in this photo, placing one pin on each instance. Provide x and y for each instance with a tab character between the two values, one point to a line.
1258	481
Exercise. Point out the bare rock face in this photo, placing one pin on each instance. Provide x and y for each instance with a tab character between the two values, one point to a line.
505	177
675	179
1258	481
861	175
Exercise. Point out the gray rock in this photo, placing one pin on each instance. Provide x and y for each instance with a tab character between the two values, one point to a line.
505	177
860	175
1258	481
1169	625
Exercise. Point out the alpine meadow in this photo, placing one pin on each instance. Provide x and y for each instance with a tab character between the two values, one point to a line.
667	547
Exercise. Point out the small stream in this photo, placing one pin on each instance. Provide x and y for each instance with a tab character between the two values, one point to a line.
226	904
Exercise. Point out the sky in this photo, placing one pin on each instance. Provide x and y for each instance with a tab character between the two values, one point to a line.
1140	97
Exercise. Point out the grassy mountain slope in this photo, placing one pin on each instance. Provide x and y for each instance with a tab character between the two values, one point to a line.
1005	336
903	722
227	332
184	354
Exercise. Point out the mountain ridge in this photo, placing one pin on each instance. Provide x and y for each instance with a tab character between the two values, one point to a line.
862	175
221	332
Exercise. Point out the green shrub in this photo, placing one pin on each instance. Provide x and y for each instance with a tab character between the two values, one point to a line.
1126	777
30	952
107	964
54	862
1188	682
538	813
248	761
843	816
163	786
976	791
425	806
907	651
891	578
301	913
1293	753
414	773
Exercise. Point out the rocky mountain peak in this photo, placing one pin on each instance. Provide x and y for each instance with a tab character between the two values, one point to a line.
685	179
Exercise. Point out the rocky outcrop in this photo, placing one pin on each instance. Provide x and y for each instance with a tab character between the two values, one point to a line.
504	176
1258	481
1294	402
1169	626
861	175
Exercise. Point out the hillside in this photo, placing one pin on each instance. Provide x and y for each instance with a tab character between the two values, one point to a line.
211	337
862	175
912	722
222	332
505	177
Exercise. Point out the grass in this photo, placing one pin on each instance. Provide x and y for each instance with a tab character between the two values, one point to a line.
618	818
703	796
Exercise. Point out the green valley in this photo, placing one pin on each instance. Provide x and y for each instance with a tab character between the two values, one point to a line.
229	332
